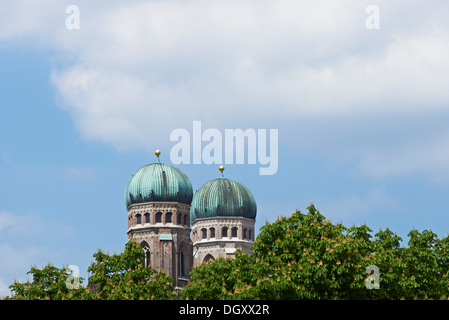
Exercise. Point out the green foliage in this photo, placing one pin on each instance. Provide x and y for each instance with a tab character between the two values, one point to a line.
123	277
48	284
116	277
305	256
212	280
308	257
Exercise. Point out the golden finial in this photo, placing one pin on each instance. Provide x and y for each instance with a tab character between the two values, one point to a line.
221	168
158	153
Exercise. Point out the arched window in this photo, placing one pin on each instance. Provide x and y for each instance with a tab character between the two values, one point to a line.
138	219
224	232
158	217
234	232
168	217
212	232
208	258
147	260
204	233
147	217
244	233
249	235
181	263
179	218
185	220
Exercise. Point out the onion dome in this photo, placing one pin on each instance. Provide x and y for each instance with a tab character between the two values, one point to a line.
158	182
223	198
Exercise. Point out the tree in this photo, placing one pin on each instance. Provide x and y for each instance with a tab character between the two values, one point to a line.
124	277
47	284
305	256
115	277
296	257
418	271
214	280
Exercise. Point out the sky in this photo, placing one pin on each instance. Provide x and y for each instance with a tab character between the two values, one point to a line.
357	90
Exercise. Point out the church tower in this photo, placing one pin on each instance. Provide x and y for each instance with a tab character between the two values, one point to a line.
158	198
222	214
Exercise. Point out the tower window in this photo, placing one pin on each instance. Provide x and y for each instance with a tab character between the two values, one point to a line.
244	233
138	219
179	218
147	217
234	232
249	234
185	219
204	233
224	232
181	263
147	260
168	217
158	217
208	258
212	232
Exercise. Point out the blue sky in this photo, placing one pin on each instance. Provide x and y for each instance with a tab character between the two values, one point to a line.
361	113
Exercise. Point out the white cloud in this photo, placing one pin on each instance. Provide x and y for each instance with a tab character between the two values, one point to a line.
136	71
28	19
149	66
23	227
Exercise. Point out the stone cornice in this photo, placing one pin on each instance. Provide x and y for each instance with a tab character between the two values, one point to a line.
145	205
157	226
218	219
221	241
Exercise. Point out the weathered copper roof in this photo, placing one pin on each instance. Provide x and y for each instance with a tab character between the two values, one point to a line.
223	198
158	182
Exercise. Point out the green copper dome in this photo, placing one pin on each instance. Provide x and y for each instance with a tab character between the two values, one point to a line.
158	182
223	198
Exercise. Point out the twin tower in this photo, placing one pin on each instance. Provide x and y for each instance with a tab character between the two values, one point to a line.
163	211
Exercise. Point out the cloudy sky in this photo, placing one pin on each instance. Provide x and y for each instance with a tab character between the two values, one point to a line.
361	111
